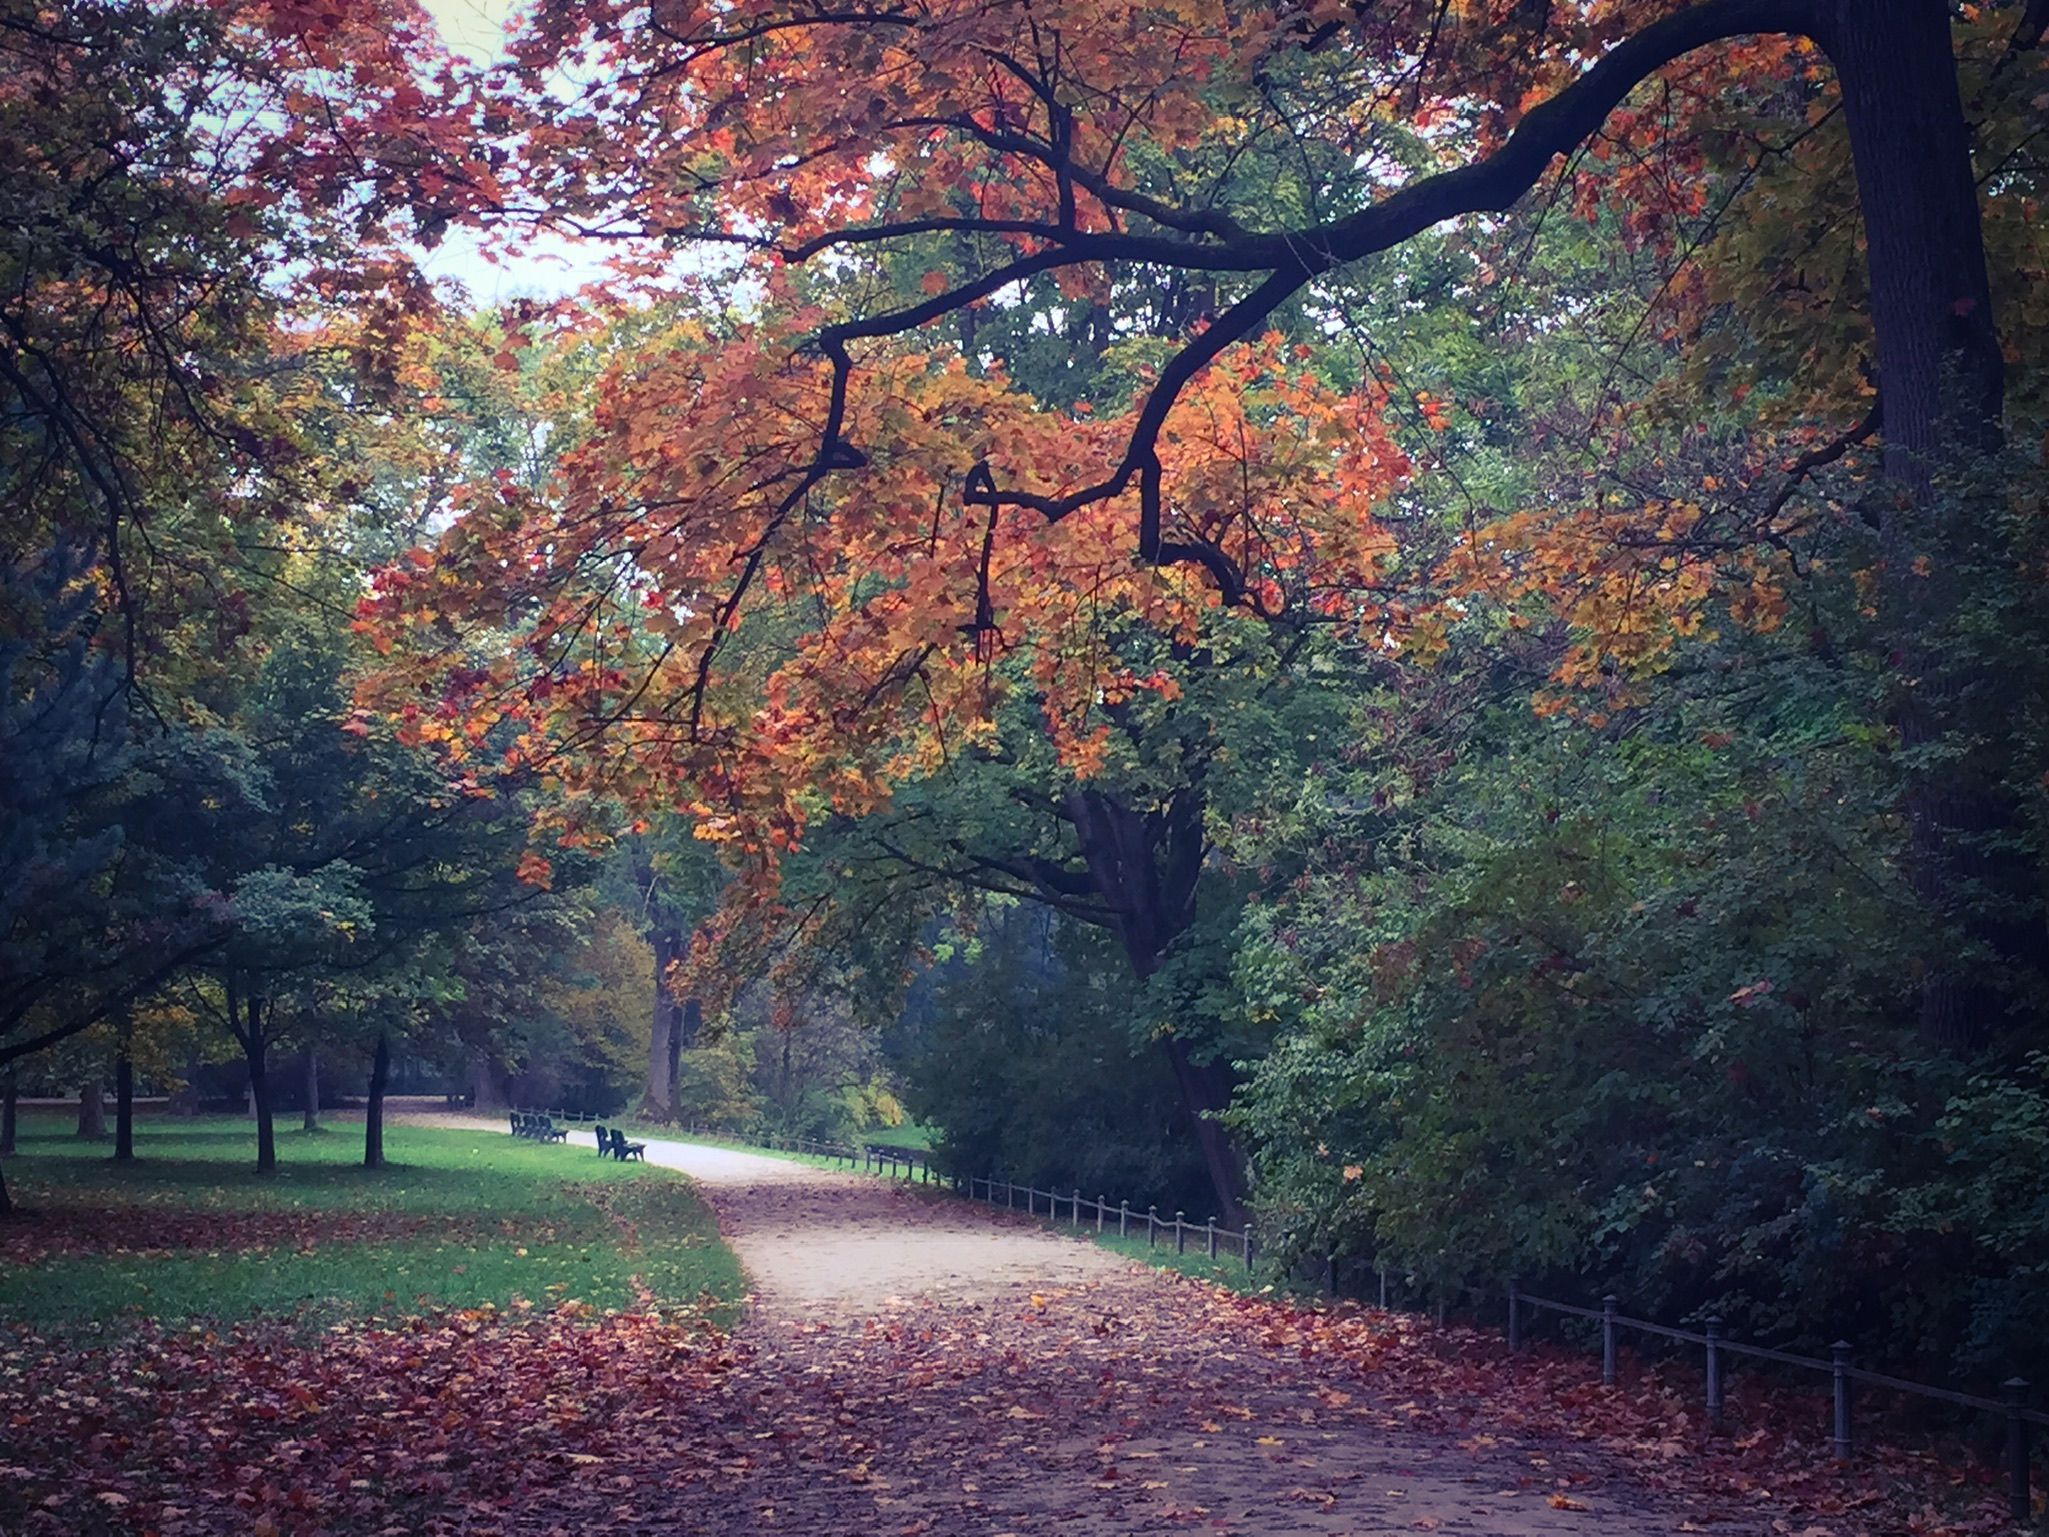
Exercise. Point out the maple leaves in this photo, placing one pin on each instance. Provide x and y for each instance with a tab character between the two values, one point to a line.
1154	1405
761	645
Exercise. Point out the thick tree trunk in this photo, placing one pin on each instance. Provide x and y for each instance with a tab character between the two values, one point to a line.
689	1019
1941	379
1206	1089
10	1108
6	1201
488	1088
124	1110
664	1040
309	1088
92	1111
373	1113
1144	866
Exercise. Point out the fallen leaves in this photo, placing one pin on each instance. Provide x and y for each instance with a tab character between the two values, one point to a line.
1137	1404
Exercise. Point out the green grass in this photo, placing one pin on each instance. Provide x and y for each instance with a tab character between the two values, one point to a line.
458	1219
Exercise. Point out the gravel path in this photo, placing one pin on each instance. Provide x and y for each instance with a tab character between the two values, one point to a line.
918	1365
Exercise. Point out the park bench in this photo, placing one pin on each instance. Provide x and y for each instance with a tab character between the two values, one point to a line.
548	1131
604	1141
623	1150
519	1127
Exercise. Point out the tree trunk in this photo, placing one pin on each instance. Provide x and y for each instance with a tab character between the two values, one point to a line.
185	1099
1144	866
92	1111
10	1107
1941	380
664	1031
255	1048
124	1110
6	1201
373	1114
689	1020
488	1088
309	1088
1206	1089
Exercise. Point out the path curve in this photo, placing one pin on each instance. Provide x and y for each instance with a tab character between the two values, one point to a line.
811	1238
963	1370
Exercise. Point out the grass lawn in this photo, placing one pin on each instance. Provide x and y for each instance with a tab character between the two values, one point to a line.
459	1219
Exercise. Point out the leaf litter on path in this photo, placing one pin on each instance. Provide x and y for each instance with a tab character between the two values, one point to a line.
925	1397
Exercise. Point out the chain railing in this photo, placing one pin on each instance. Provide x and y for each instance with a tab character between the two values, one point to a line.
1082	1212
1840	1368
1099	1215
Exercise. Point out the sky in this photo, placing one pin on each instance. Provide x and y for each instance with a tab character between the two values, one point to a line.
548	266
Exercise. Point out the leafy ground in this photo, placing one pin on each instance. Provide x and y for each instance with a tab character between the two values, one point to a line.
459	1220
918	1403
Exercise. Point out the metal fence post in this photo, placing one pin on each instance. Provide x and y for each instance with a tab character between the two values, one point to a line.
1515	1315
2020	1504
1608	1341
1714	1372
1839	1353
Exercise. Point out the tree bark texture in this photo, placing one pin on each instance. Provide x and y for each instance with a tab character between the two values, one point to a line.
10	1109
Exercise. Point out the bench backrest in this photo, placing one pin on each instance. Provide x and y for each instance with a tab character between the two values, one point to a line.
618	1142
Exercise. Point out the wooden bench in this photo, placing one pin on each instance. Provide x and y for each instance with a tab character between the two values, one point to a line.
604	1142
623	1150
548	1131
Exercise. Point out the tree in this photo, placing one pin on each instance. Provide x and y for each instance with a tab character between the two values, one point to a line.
904	506
1002	146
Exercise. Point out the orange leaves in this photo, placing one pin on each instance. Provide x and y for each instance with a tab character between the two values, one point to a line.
764	660
1628	580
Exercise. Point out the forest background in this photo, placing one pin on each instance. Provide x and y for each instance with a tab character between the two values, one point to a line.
1422	619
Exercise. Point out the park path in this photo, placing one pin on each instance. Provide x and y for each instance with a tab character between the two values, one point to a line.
913	1364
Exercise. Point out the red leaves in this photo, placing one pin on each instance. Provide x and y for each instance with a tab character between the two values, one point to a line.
1137	1404
182	1433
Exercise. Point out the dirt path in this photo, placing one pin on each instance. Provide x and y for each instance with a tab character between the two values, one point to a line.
916	1365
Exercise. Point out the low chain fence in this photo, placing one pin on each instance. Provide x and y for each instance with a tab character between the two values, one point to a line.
1101	1216
1082	1213
1717	1349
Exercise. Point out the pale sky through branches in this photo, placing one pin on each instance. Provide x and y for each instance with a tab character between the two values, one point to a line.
546	266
